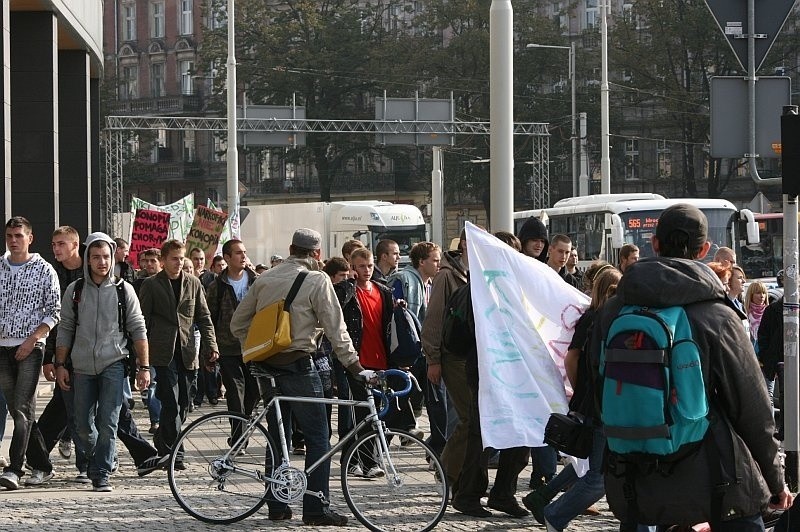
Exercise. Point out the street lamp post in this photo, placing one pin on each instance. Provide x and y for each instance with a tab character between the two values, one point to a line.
573	134
232	155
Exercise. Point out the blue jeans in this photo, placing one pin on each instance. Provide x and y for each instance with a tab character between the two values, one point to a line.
98	399
18	381
301	379
544	461
586	491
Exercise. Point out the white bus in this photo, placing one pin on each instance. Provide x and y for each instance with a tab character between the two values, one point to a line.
601	224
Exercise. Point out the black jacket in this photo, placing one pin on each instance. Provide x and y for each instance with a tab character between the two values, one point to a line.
740	438
770	338
222	304
351	309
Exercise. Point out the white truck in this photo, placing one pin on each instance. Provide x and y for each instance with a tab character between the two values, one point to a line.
267	229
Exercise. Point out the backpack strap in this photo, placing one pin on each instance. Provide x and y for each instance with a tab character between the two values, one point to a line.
287	303
122	306
76	298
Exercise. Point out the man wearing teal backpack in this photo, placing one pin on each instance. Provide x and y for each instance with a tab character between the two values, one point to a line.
699	445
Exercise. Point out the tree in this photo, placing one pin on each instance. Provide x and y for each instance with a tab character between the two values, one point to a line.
683	50
334	55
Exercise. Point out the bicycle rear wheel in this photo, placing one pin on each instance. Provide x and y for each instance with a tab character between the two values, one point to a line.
216	488
414	498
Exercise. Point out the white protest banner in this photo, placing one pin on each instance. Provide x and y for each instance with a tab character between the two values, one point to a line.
181	214
525	315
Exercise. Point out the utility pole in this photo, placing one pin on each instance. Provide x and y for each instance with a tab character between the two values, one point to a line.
605	144
501	115
583	183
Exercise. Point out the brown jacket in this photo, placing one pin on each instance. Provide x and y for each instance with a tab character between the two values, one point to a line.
451	275
168	320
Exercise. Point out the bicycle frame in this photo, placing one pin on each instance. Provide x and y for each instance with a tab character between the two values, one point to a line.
275	402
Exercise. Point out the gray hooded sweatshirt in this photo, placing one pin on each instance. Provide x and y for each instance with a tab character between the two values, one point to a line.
96	340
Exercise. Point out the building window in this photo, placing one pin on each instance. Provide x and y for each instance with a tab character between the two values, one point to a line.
219	18
187	69
159	145
129	22
159	197
188	146
185	20
157	19
129	84
664	159
220	149
213	195
592	19
632	159
157	80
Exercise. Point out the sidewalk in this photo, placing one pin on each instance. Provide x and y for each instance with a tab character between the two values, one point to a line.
147	503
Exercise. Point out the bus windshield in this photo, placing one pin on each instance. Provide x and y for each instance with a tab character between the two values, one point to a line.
641	225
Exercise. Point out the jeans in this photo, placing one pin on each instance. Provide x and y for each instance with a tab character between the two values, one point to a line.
544	461
98	399
584	492
18	381
128	433
301	379
207	386
344	423
172	389
241	389
153	404
436	405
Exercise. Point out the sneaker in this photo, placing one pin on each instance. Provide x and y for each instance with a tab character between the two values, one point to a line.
355	471
374	472
82	478
37	478
3	461
101	485
213	401
115	464
329	518
65	448
153	428
417	433
154	463
299	450
9	480
280	515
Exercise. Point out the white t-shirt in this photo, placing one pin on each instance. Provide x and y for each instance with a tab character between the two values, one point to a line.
239	287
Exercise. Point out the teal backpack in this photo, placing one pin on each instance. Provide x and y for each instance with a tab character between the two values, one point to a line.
653	397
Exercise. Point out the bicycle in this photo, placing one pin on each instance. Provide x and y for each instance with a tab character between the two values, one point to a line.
226	468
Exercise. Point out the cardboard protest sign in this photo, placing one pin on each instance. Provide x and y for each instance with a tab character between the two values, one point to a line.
149	230
206	229
181	213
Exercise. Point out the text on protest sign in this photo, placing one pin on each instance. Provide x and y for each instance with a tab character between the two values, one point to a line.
149	230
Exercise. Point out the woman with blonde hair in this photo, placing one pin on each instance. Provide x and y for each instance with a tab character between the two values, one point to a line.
755	302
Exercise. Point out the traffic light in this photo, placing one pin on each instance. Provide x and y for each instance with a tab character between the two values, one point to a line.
790	150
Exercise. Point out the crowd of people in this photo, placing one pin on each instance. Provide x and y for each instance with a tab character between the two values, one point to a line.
174	330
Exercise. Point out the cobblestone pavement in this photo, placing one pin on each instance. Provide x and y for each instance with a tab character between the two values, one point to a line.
147	503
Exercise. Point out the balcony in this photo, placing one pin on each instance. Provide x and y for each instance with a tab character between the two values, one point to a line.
150	172
164	105
359	183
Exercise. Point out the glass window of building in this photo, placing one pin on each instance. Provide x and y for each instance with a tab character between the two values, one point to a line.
157	19
187	69
129	22
185	20
129	86
157	80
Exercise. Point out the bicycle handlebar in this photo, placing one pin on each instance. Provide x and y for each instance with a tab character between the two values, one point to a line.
389	394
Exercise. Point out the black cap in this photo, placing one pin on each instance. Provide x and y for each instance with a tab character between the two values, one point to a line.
685	219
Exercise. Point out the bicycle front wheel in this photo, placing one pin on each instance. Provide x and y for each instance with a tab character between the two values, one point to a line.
211	480
411	495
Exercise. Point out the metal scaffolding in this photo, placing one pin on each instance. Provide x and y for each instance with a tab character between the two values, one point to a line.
116	126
